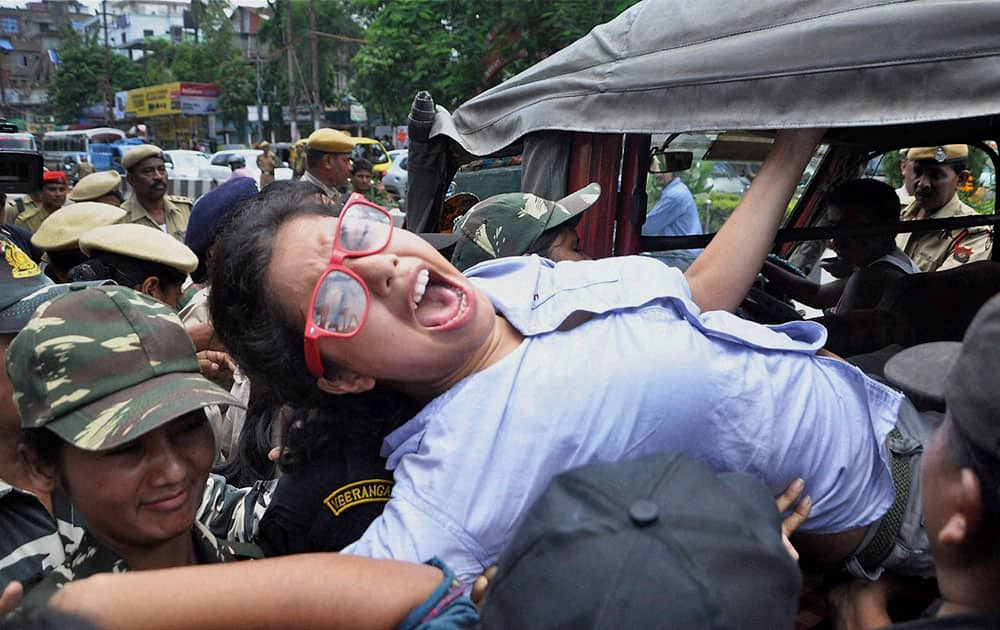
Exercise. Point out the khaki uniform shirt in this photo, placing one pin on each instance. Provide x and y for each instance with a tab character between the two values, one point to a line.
944	249
176	210
16	207
332	193
32	217
267	162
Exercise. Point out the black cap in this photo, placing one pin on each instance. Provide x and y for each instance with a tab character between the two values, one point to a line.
661	542
23	287
962	375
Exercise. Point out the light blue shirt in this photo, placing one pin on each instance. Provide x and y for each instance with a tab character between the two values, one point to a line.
648	373
675	214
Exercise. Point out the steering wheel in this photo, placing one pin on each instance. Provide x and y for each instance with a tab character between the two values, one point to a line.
764	308
778	261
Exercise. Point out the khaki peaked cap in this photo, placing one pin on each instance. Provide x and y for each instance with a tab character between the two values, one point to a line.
943	153
137	154
61	230
95	186
140	241
331	141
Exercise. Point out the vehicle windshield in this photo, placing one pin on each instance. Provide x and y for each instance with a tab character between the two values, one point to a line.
704	195
17	142
373	152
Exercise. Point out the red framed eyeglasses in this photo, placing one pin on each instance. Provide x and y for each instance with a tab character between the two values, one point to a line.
340	300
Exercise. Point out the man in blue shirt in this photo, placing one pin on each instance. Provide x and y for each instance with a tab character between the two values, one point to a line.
675	214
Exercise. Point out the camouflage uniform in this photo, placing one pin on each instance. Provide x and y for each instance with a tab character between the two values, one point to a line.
33	540
508	224
91	558
944	249
102	366
375	194
176	209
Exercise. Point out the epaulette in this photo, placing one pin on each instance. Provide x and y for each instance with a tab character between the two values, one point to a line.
180	199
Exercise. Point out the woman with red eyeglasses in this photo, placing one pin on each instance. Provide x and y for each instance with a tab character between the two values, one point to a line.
527	368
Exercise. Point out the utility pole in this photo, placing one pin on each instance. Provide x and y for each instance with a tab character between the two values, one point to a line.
106	83
316	104
293	126
260	98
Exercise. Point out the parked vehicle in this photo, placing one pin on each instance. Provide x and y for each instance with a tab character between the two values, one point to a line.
218	169
19	141
186	164
394	179
56	145
108	156
373	151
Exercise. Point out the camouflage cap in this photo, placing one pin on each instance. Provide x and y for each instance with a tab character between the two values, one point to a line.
102	366
508	224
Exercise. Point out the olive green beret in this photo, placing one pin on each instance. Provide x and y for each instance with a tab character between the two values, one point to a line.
61	230
142	242
943	153
95	186
331	141
139	153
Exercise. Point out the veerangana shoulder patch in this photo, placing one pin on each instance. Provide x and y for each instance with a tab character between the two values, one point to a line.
366	491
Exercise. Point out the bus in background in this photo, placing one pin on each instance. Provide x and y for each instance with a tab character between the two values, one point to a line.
18	141
56	145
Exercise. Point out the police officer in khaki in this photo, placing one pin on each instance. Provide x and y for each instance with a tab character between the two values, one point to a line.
52	197
150	204
103	187
937	174
267	162
328	161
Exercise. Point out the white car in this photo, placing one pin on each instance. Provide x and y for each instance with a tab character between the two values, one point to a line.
186	164
218	169
395	178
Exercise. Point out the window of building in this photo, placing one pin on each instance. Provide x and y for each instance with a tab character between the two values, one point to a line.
147	32
43	26
9	25
22	61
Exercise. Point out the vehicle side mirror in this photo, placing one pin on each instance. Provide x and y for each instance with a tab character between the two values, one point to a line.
669	161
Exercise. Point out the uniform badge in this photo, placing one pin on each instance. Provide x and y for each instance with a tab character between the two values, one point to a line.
21	265
961	254
367	491
940	155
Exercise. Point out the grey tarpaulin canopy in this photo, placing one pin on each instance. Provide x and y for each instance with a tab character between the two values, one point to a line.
669	65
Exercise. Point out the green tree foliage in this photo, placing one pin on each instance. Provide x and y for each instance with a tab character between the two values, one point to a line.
82	72
338	37
457	48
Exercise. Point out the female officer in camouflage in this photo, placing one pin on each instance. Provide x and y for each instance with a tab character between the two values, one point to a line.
111	402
